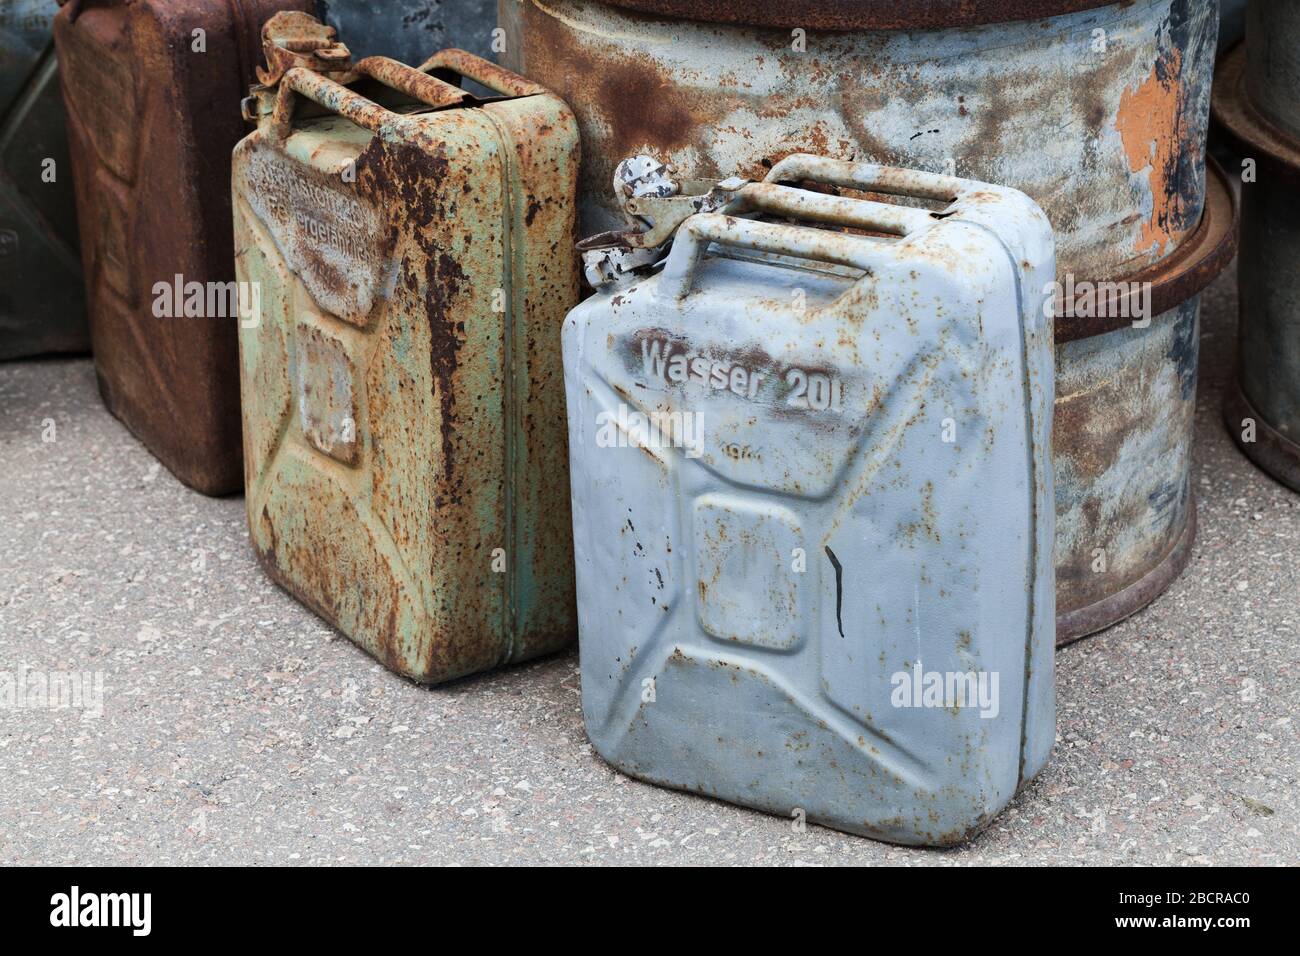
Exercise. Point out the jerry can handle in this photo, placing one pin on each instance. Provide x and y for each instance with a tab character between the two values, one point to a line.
834	210
889	180
339	99
429	90
495	78
695	234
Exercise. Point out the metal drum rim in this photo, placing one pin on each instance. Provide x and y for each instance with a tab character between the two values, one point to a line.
1249	131
1085	621
1271	452
845	15
1196	263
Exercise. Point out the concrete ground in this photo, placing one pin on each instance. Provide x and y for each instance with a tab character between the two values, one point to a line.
237	728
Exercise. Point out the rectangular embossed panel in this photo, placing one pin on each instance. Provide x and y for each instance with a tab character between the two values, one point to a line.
866	492
152	90
403	399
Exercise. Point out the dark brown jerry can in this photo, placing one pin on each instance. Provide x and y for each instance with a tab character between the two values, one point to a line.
152	90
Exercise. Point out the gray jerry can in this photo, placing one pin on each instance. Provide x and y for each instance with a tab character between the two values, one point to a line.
813	507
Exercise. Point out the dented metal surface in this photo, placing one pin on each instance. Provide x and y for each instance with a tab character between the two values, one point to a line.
1125	402
804	461
1119	168
42	305
403	406
410	30
151	122
1262	413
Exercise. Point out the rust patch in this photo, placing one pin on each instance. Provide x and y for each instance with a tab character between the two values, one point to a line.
668	126
408	178
444	280
1149	124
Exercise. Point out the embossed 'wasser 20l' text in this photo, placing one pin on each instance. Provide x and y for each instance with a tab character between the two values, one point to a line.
797	387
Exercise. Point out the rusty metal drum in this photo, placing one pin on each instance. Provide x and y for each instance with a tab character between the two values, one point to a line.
410	30
1097	111
403	402
1099	114
1125	407
152	91
1262	413
42	305
1125	514
1272	62
1232	23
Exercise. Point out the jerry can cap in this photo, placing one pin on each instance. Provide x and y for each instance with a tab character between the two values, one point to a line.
292	39
305	60
675	221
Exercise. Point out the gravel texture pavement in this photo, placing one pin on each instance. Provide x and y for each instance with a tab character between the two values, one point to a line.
236	727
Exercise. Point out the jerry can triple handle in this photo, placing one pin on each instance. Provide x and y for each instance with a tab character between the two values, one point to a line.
695	234
889	180
496	78
339	99
834	210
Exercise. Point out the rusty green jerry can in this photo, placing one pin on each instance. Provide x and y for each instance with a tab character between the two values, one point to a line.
403	397
42	305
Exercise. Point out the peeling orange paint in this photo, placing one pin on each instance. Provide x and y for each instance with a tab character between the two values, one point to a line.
1148	124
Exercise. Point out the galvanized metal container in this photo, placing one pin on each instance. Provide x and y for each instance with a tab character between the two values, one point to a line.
152	90
1125	515
1263	412
409	30
42	307
1098	114
1098	111
403	408
810	469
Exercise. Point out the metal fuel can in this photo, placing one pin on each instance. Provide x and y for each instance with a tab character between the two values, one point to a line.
42	305
404	436
813	500
152	90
